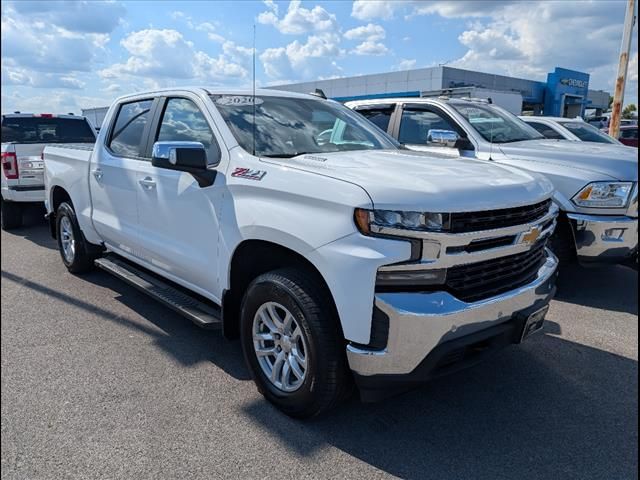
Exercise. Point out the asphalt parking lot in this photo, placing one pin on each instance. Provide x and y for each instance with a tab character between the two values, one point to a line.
98	381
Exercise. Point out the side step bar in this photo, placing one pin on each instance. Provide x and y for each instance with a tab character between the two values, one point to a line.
200	313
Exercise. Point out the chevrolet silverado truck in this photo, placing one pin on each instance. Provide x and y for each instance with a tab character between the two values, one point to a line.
24	136
596	186
294	224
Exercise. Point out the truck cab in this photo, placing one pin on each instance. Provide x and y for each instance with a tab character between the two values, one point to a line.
24	137
596	185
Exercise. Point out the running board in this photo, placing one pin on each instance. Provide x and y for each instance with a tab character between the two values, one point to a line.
200	313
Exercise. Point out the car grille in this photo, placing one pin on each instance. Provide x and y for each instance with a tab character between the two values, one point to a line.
480	280
491	219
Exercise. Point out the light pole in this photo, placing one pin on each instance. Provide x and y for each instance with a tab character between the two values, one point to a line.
618	96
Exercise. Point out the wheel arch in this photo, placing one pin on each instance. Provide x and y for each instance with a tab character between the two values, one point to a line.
57	196
251	258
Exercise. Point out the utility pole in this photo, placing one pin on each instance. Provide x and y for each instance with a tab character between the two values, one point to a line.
618	96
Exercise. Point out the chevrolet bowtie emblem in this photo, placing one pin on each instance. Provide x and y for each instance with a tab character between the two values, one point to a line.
531	236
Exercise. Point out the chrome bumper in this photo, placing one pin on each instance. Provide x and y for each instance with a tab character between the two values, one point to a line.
419	322
604	238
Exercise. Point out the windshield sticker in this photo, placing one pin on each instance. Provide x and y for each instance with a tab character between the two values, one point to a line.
239	100
248	173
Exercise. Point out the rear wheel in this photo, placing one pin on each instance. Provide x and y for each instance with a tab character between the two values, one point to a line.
77	254
292	343
11	215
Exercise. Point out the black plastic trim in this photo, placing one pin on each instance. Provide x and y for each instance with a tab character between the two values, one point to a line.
26	188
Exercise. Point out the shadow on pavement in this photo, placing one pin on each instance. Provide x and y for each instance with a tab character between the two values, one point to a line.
549	409
35	227
610	287
174	334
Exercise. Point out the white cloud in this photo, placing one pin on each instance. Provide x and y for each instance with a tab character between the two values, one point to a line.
306	60
298	20
405	64
372	9
51	44
530	39
59	101
369	32
80	17
370	48
166	54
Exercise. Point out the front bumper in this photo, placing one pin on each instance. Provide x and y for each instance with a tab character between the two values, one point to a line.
420	322
605	239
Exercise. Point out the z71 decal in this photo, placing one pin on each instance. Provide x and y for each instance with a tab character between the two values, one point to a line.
248	173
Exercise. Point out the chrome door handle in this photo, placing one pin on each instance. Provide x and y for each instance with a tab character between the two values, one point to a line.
97	173
148	183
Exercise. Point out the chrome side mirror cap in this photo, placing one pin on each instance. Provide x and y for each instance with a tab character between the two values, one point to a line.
443	138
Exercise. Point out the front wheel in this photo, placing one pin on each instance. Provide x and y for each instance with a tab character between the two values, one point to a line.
292	343
77	254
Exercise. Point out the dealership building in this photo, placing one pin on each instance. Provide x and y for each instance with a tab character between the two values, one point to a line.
565	93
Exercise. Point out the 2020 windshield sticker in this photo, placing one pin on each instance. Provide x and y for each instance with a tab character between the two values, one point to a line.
239	100
248	173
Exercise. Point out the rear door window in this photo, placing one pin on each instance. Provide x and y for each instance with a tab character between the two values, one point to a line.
46	130
128	130
378	116
546	130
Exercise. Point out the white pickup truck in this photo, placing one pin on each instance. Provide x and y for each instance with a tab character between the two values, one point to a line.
295	224
24	136
596	185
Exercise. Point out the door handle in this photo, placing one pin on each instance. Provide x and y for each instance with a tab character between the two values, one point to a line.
148	183
97	173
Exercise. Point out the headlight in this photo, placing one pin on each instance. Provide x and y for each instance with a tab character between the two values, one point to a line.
604	195
372	221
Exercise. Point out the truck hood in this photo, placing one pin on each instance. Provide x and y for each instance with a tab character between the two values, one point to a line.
405	180
613	161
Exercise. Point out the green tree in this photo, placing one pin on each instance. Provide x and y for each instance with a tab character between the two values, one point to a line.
629	110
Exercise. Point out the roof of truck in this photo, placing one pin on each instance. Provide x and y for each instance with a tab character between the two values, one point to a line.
223	91
551	119
378	101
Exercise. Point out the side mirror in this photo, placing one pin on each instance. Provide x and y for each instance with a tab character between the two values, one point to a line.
188	157
442	138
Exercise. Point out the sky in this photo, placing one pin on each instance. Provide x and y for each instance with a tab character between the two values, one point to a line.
62	56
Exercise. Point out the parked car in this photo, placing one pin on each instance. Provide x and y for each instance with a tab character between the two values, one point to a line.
574	129
629	135
306	231
596	185
24	136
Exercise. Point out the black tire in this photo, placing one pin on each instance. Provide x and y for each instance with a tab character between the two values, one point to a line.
562	243
84	253
11	215
327	379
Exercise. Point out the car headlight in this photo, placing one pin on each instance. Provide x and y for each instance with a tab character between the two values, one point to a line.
374	221
604	195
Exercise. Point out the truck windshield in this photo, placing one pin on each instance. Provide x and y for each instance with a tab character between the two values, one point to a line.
587	133
46	130
496	125
287	127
